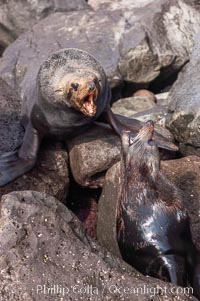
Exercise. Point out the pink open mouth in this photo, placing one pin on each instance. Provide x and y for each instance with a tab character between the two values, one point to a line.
89	107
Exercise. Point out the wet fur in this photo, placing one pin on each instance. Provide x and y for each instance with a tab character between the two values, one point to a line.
153	227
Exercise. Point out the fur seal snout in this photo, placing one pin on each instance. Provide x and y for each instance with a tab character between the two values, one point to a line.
153	227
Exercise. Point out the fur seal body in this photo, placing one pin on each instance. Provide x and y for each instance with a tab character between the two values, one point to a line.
71	91
153	227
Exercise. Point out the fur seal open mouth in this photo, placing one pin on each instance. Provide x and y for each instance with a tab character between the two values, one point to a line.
89	107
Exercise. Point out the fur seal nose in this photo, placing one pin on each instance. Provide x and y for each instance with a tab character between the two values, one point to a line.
150	123
91	86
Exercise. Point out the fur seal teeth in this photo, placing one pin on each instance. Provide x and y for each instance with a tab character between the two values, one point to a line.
131	141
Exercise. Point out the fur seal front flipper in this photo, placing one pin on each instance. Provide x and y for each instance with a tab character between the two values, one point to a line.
153	226
70	92
22	159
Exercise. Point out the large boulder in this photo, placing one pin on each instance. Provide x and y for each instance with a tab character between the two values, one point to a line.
132	105
184	173
92	154
184	103
51	172
142	108
19	16
159	115
46	255
136	45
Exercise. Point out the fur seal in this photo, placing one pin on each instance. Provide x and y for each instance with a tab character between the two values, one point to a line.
153	227
71	91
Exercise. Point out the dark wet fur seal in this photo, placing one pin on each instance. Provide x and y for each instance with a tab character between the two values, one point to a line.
153	227
71	91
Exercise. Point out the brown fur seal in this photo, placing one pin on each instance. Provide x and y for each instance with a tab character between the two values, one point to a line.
70	92
153	227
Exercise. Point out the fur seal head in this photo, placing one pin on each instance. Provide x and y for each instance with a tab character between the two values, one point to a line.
80	92
142	150
72	78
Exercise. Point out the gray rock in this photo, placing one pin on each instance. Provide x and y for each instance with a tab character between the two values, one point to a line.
137	44
92	153
46	255
152	47
142	108
184	173
17	17
131	105
162	98
11	132
159	114
51	172
95	151
50	175
184	102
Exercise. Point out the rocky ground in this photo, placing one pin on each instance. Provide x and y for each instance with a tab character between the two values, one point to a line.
144	44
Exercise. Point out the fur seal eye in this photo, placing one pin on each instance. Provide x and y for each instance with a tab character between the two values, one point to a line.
75	86
95	81
152	143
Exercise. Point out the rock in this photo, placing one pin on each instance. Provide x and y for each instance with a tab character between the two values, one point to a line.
184	104
147	53
143	108
184	173
145	93
50	175
162	98
17	17
95	151
92	154
158	114
139	46
11	132
131	105
46	255
107	210
51	172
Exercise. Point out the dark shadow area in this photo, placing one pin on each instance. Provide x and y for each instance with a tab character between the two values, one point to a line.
83	202
162	83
